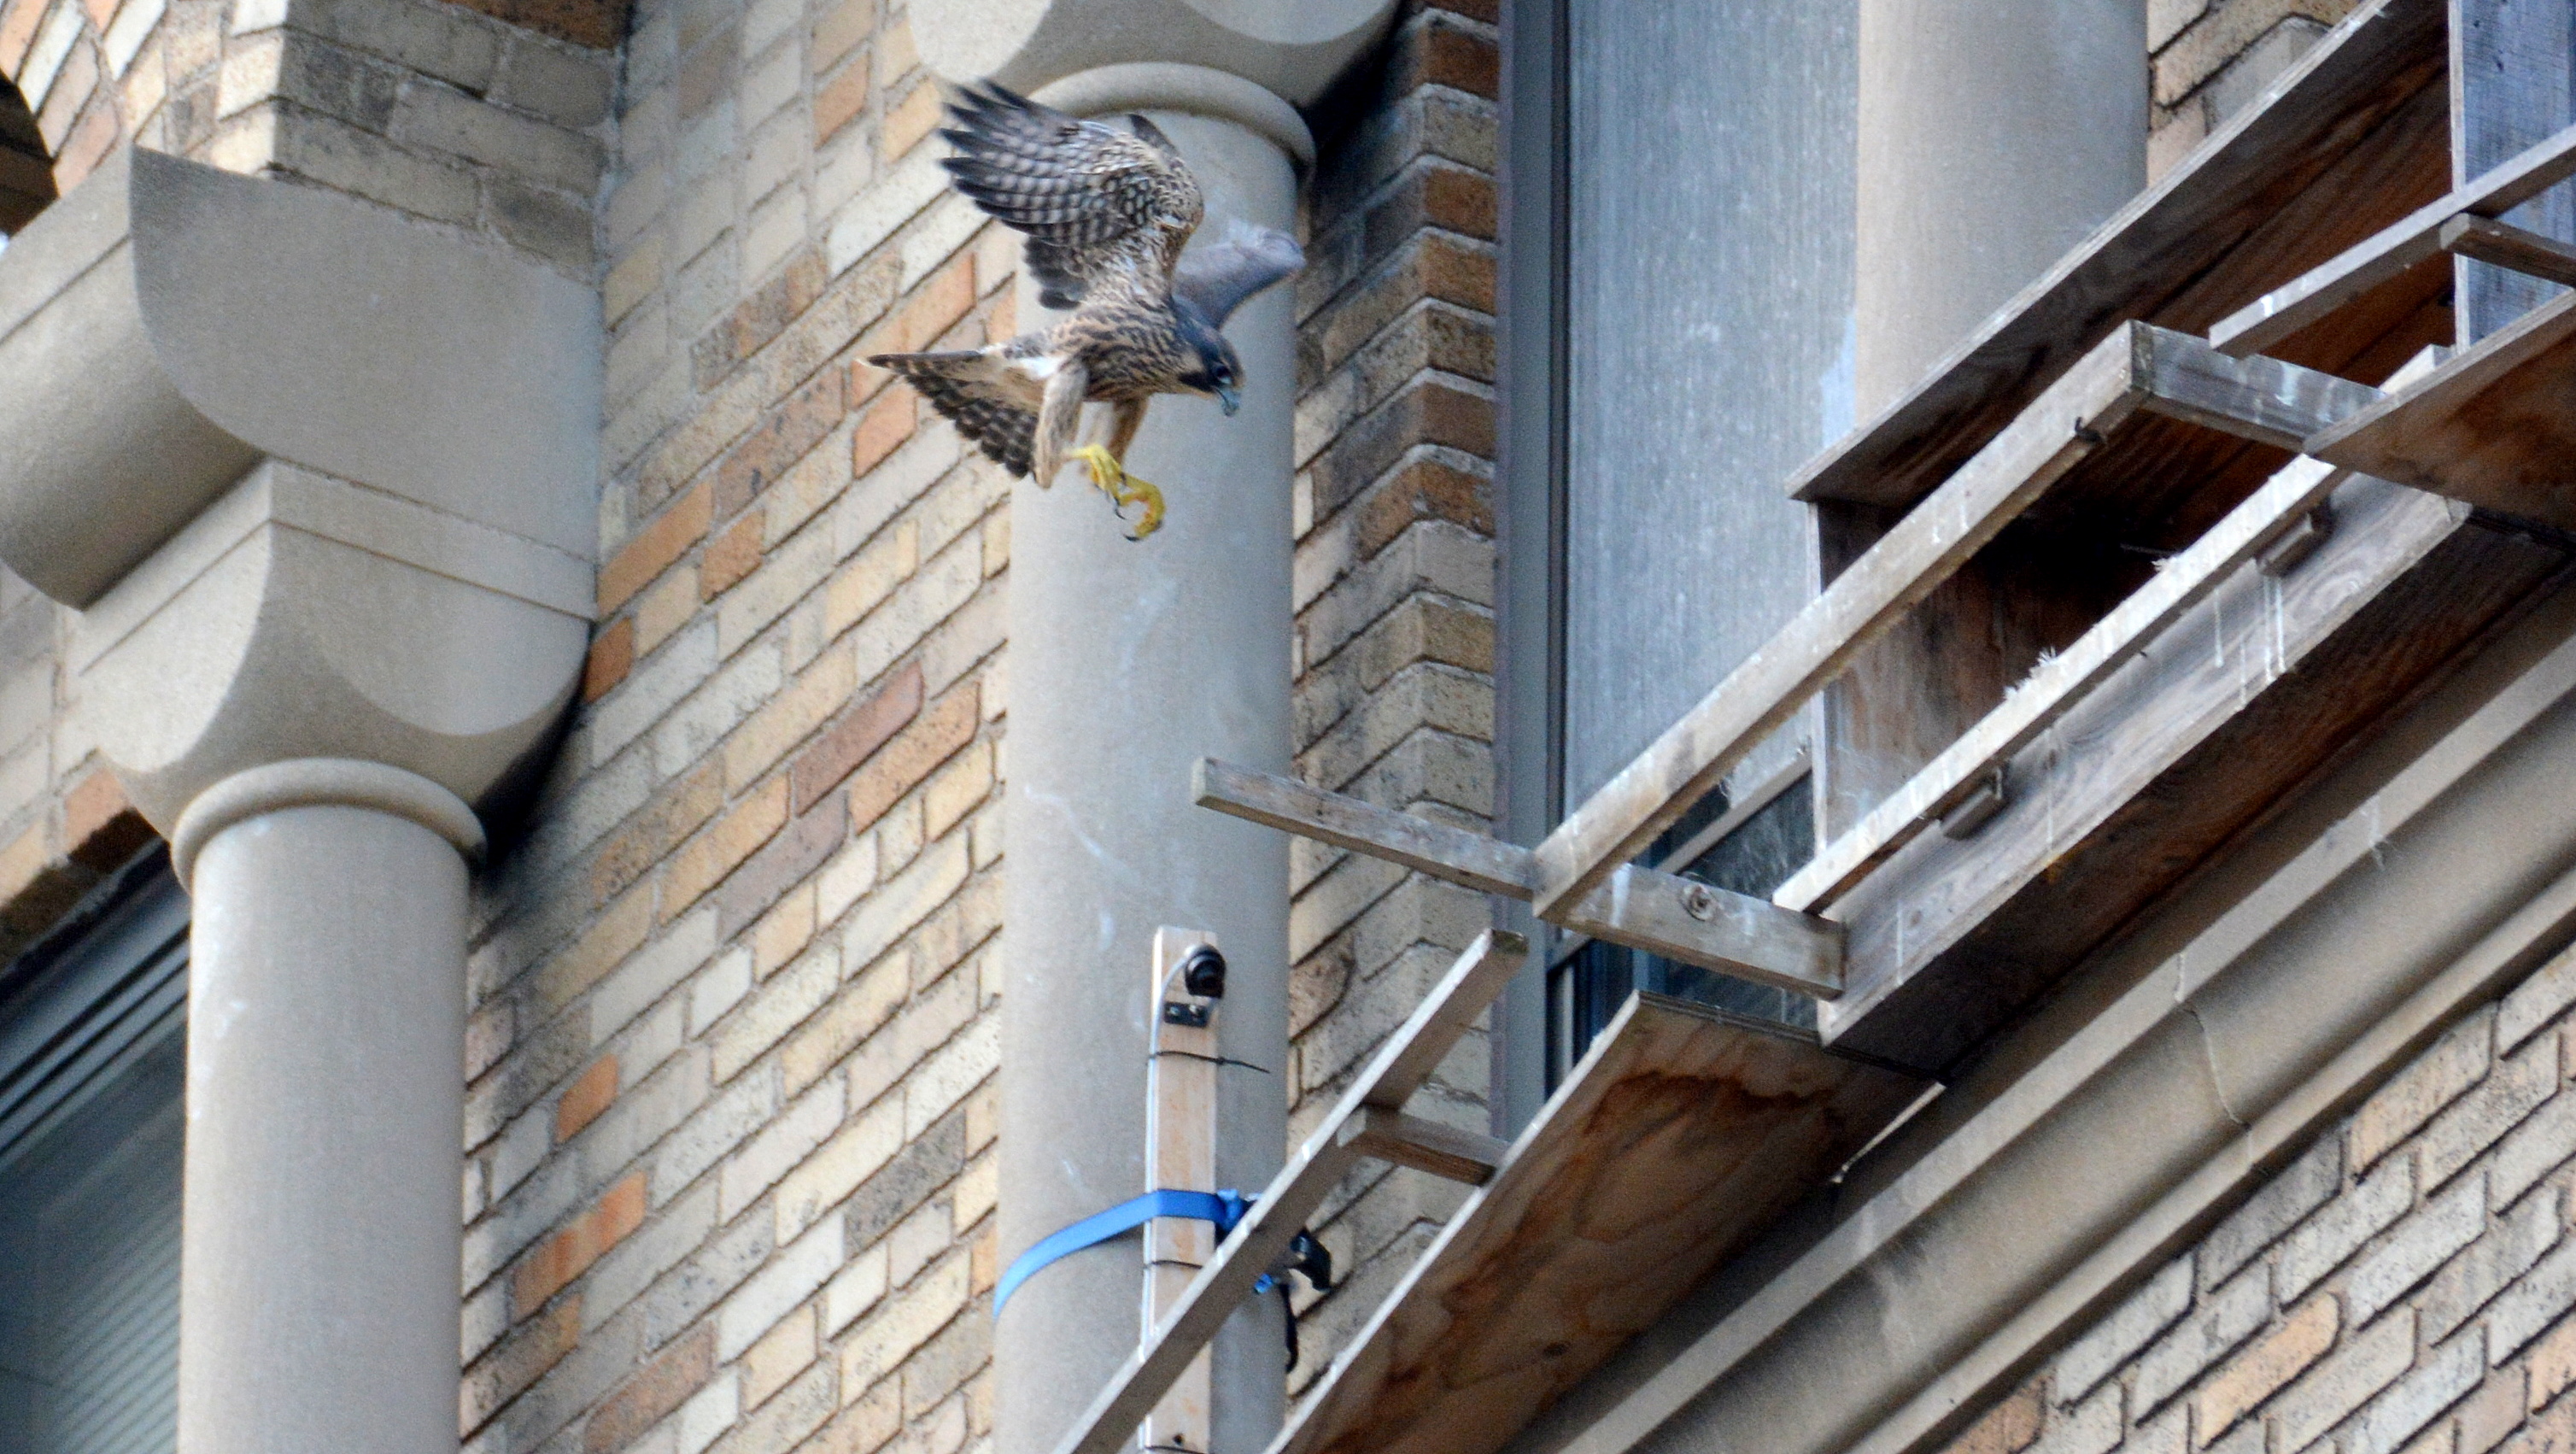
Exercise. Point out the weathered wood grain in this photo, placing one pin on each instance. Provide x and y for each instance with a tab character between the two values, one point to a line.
1258	1241
2184	746
1682	1133
1180	1155
1692	756
2507	246
2495	427
2318	166
1454	855
1974	760
1444	1151
1662	913
2140	367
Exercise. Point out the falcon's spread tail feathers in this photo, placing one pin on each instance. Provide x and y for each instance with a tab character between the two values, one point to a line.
968	387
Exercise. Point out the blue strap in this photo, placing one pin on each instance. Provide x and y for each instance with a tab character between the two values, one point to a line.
1224	1208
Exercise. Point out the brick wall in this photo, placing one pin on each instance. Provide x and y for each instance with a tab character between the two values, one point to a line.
1394	593
730	1116
2209	58
2408	1283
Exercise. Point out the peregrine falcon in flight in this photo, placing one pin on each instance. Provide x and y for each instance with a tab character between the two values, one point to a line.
1107	213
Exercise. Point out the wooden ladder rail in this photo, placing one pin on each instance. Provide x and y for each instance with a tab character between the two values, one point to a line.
2139	367
2425	233
1368	1121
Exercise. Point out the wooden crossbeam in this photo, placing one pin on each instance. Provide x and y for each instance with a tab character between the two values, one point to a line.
2507	246
1661	913
2138	367
2416	238
1366	1122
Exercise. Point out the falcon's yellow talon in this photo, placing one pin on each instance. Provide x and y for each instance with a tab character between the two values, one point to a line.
1123	489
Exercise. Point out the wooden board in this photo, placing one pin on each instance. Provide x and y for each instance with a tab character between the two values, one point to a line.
2495	427
2354	140
2190	743
1351	1130
2138	367
1682	1134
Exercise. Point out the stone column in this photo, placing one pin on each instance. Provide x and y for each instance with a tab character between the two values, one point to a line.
325	1092
318	622
1993	137
1130	660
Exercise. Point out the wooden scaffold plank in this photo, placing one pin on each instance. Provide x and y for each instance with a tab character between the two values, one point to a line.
2140	367
2420	237
1683	1132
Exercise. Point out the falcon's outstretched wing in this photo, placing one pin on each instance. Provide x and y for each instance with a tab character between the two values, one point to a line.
1089	196
1219	276
971	387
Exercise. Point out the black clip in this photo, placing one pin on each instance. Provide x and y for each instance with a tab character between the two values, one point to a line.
1192	1017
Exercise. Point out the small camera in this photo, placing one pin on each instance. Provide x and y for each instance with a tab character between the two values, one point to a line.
1203	973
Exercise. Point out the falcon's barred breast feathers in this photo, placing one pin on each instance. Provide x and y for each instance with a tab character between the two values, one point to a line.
1107	213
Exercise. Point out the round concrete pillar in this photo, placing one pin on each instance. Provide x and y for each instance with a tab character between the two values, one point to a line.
1129	661
1993	137
326	1010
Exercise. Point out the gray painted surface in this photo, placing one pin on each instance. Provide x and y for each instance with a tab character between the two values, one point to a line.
319	1310
1709	341
1992	138
1129	661
2516	61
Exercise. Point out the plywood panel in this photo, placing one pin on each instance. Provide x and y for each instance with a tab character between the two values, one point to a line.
1683	1132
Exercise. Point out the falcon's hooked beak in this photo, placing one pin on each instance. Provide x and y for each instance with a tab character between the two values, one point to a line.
1231	399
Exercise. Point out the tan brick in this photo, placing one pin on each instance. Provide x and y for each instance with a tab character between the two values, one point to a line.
570	1252
732	556
612	656
669	604
783	932
783	1352
896	53
758	319
2260	1370
2553	1364
955	790
2553	1432
904	1322
946	726
870	1421
887	423
871	576
853	1015
712	855
601	948
654	830
836	1168
2437	1077
1442	56
18	32
588	1095
937	304
2494	1411
791	716
101	830
655	548
803	421
536	1347
859	733
909	120
840	101
652	1393
841	28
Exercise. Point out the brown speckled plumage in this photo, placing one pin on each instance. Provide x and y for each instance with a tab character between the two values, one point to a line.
1107	213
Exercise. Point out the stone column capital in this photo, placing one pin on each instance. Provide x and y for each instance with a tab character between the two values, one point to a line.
322	482
310	782
1294	49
